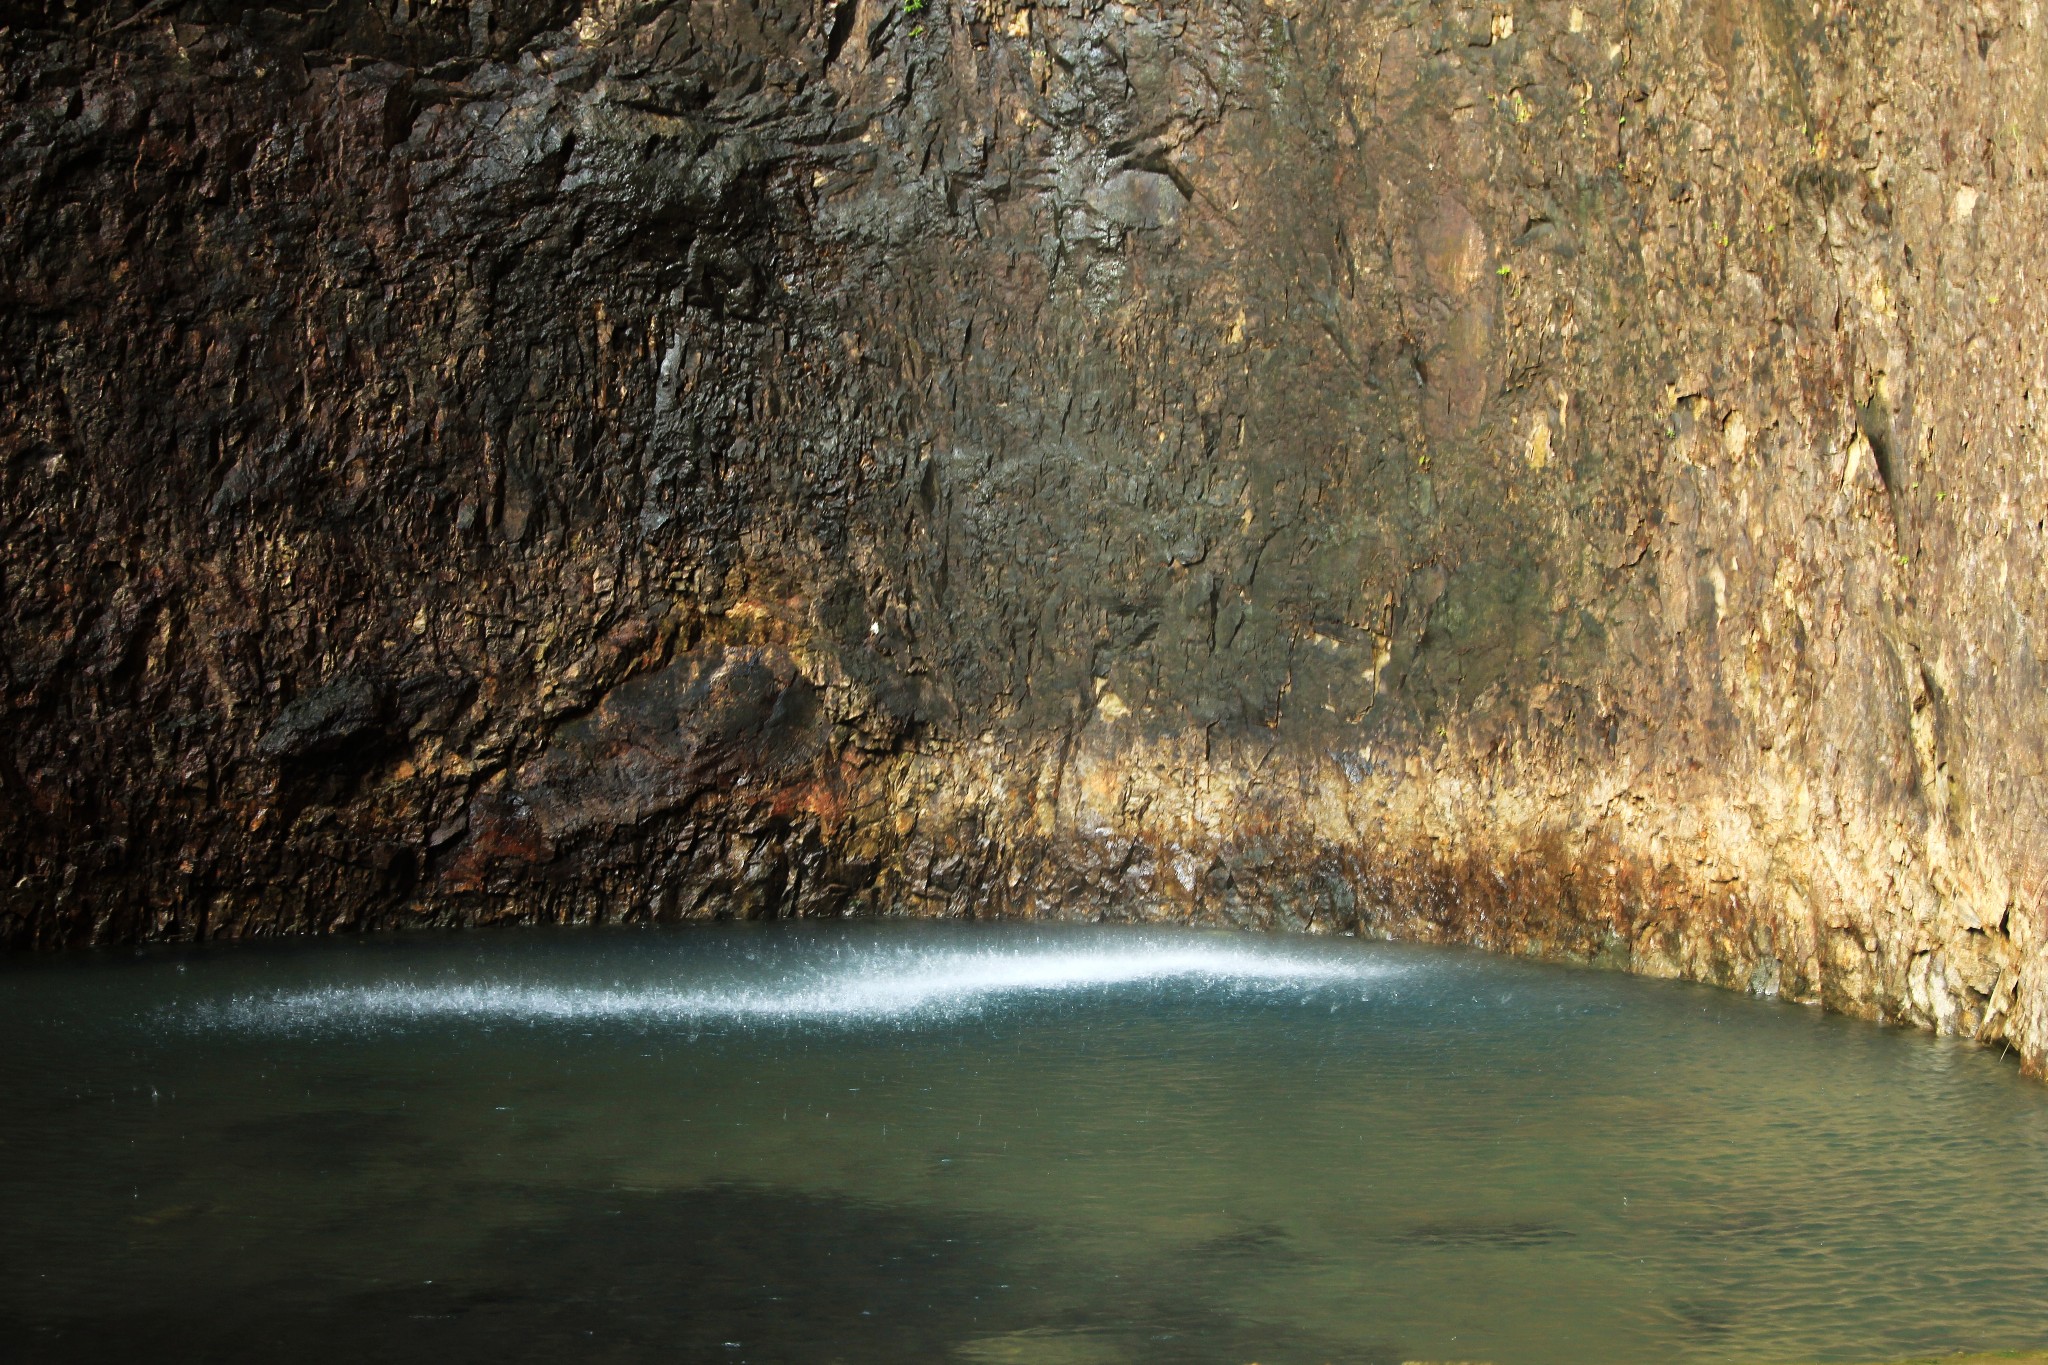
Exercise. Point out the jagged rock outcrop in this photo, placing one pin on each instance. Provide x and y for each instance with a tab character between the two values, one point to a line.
1555	476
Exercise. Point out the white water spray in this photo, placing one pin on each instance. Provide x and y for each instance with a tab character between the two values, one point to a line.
798	981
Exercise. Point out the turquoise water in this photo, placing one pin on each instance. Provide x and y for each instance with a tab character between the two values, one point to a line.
912	1143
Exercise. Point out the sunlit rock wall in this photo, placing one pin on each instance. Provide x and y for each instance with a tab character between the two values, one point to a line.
1561	477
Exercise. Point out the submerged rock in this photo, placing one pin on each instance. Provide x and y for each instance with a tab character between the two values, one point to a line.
1557	479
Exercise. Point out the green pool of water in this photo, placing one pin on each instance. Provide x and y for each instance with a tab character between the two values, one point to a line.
909	1143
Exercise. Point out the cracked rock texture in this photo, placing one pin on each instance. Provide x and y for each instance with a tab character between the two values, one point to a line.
1562	477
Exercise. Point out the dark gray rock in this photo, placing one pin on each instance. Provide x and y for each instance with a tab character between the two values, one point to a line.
350	710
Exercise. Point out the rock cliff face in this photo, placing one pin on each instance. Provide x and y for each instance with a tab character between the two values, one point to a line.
1562	477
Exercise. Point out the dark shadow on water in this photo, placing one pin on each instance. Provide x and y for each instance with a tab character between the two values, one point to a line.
622	1275
326	1141
726	1274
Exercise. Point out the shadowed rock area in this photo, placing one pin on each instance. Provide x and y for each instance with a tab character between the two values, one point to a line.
1559	477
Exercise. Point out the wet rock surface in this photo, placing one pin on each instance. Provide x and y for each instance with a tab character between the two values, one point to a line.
1560	477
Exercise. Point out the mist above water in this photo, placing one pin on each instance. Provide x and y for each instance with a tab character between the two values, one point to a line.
823	978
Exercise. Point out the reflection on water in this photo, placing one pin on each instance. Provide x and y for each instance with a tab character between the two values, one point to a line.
986	1144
